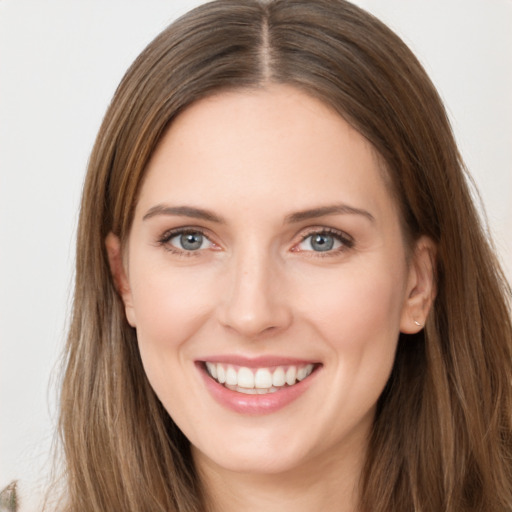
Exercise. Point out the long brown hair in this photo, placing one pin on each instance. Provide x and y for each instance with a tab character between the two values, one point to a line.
442	436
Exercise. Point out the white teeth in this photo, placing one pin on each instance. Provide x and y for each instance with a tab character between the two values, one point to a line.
259	381
291	375
303	372
246	391
245	378
263	379
231	376
252	391
212	369
221	374
278	377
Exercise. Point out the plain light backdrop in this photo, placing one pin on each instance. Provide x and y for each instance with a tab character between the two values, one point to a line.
60	62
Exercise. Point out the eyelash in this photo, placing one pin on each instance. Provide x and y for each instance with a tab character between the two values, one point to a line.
346	241
172	233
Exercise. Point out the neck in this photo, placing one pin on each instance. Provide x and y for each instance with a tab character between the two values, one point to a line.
329	484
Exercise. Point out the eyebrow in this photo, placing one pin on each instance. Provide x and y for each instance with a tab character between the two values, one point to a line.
183	211
313	213
203	214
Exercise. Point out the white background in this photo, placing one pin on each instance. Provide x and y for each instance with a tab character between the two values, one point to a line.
60	62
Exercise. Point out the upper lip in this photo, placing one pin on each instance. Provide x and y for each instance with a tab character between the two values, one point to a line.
256	362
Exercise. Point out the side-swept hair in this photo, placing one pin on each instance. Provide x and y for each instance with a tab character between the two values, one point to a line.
442	436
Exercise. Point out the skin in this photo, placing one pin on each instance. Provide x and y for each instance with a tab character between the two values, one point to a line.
257	287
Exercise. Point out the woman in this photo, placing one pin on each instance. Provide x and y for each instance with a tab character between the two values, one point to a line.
284	296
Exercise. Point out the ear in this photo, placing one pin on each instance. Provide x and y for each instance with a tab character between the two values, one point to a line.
119	274
421	286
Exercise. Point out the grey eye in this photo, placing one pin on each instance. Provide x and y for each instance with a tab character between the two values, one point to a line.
322	242
189	241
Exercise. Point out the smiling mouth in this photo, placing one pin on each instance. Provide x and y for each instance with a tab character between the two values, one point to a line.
258	381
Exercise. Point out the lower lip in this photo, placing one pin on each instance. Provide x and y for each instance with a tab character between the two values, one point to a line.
255	404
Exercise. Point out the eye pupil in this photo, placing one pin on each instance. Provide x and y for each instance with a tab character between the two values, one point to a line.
321	242
191	241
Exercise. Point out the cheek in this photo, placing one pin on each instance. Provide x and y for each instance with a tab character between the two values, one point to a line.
358	314
364	337
169	308
360	322
169	305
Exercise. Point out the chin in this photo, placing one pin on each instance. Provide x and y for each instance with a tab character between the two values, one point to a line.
253	462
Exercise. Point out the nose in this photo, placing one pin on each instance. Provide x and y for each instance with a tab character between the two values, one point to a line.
255	301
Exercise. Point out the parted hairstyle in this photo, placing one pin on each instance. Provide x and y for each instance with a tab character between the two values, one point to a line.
442	435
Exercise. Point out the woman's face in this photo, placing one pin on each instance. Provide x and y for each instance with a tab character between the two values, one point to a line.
267	278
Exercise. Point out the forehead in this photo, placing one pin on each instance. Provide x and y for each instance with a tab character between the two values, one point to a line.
275	144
